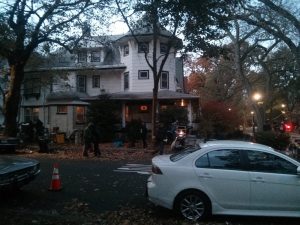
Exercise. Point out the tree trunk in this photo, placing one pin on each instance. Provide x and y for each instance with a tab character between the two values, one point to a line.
12	100
154	111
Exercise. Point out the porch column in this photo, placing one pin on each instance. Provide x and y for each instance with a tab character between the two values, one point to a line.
123	114
190	112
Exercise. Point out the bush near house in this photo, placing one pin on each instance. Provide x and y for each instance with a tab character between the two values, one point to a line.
104	113
171	114
275	140
133	131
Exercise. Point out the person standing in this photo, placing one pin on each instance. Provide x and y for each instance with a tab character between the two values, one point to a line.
161	135
144	132
96	138
88	139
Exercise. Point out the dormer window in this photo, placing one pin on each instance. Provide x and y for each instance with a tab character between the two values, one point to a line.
82	56
95	57
143	47
126	50
163	48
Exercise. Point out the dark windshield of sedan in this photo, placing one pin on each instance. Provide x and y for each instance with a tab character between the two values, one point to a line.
179	155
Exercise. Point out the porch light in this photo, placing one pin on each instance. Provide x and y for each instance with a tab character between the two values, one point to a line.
182	102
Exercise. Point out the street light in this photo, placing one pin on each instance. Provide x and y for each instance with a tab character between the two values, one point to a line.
253	124
257	96
257	104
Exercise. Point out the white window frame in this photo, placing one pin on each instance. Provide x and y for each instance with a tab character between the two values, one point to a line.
126	80
126	50
143	47
163	48
143	74
96	81
61	109
80	116
164	79
82	56
81	88
95	56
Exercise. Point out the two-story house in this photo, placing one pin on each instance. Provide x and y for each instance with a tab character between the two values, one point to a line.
59	93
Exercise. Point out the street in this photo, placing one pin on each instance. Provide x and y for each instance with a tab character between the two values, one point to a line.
94	187
87	181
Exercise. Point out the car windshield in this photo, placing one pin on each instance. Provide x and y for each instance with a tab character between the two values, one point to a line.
179	155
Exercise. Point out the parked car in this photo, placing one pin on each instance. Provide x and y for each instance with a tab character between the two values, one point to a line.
17	171
226	178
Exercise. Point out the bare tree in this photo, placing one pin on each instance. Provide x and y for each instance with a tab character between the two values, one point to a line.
281	19
154	11
27	24
247	44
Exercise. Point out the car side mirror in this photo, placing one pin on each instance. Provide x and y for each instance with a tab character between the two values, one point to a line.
298	170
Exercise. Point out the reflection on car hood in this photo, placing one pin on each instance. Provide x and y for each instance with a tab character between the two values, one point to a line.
11	163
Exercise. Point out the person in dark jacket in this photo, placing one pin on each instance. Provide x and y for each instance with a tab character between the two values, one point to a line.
144	132
88	139
96	138
161	135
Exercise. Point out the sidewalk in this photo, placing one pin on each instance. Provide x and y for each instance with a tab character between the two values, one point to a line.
108	152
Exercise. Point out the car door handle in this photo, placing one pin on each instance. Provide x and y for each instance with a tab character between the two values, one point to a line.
258	179
205	175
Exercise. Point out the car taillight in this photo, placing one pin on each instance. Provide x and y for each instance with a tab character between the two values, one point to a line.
156	170
288	127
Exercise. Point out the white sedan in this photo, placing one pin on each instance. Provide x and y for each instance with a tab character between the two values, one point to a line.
226	178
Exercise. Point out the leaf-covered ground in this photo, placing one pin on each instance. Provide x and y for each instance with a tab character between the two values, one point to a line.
78	213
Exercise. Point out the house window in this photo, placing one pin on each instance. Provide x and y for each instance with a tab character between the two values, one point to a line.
81	83
126	50
96	81
80	114
143	47
164	80
62	109
143	74
32	87
126	81
82	56
95	57
31	114
163	48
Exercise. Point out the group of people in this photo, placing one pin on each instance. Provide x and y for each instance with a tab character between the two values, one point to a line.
91	138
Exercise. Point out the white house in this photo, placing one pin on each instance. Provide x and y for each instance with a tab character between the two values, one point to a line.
59	92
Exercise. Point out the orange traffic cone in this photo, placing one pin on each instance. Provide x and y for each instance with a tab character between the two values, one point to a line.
55	183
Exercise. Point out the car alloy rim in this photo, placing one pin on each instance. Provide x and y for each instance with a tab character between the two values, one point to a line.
192	207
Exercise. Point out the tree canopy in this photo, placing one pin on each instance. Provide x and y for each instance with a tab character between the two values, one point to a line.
28	25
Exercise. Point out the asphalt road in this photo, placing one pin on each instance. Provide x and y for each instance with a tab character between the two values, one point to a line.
86	181
101	186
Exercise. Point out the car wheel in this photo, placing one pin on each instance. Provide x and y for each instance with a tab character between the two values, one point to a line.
193	205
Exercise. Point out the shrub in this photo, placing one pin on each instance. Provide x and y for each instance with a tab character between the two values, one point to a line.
275	140
172	114
105	114
133	131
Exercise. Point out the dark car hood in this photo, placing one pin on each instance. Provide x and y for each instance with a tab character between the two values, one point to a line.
11	163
